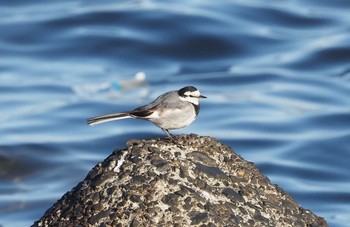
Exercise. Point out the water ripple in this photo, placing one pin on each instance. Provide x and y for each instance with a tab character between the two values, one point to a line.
276	74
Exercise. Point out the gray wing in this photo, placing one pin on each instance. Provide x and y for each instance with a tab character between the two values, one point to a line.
163	101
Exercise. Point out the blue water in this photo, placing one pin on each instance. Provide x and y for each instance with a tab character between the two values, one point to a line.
276	73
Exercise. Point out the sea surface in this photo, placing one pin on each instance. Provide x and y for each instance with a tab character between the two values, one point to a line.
276	74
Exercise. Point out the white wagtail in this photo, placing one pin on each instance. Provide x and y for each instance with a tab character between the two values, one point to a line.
172	110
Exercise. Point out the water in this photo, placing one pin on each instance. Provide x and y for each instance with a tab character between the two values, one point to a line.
277	77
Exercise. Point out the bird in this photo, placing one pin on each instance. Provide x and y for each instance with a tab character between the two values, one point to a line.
171	110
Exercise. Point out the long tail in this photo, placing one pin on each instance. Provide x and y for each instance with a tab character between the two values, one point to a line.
106	118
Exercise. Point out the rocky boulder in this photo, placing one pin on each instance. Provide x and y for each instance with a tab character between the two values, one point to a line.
192	180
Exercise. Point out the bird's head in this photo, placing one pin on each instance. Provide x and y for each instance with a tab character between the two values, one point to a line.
190	94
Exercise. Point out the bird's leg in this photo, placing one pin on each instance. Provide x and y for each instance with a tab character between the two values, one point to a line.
168	134
170	137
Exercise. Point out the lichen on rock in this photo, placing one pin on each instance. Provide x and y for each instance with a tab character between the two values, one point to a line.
191	181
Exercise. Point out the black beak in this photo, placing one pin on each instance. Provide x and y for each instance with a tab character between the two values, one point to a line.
202	97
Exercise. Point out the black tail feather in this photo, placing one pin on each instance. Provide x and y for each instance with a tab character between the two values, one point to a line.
106	118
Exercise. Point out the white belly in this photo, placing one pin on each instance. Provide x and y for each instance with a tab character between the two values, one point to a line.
177	118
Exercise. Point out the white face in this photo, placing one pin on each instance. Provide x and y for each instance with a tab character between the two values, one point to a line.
192	97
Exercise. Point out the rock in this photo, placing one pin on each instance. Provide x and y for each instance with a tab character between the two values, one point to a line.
191	181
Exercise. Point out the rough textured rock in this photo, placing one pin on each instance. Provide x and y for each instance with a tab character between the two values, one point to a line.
192	181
